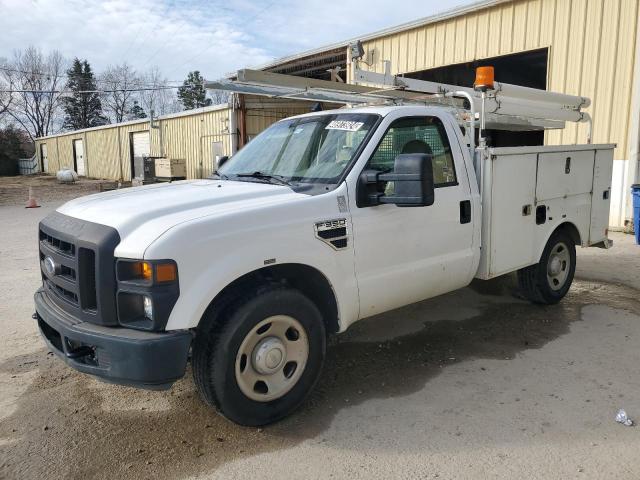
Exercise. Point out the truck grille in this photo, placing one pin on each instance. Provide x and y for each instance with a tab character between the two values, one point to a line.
64	280
65	248
78	267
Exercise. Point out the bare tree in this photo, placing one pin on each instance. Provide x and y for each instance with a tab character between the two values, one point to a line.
34	83
219	96
118	81
157	98
5	88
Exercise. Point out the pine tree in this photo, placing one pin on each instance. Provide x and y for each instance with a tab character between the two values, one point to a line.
192	93
82	110
136	111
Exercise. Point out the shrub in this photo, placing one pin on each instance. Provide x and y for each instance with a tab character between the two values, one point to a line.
11	149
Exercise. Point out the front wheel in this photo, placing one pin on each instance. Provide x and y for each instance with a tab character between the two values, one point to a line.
548	281
258	359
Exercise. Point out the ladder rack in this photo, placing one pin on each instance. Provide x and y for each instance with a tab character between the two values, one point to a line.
507	107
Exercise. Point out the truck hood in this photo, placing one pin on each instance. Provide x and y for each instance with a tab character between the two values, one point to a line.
142	214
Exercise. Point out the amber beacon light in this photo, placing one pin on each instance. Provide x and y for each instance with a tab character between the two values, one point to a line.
484	79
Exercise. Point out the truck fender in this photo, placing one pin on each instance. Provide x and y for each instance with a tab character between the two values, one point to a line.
570	227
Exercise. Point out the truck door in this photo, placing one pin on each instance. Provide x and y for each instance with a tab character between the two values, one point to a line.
407	254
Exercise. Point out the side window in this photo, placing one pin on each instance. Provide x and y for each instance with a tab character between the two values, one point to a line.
417	135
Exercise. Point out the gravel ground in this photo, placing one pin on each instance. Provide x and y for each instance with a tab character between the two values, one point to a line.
473	384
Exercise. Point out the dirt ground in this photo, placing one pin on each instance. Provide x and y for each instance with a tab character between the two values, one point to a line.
473	384
15	190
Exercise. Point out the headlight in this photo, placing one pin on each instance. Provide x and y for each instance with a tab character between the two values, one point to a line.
148	307
147	292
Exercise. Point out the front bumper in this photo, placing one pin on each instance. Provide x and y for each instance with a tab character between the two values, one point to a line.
118	355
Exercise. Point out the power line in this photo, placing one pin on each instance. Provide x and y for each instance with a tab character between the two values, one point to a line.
60	75
167	87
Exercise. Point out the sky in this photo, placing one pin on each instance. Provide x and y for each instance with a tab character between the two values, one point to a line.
177	36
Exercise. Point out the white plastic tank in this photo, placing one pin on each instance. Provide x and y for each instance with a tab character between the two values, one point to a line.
66	175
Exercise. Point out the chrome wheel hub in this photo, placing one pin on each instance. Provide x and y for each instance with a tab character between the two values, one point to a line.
558	266
555	266
271	358
268	355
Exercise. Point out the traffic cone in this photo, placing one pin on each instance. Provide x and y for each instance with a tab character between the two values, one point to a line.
31	203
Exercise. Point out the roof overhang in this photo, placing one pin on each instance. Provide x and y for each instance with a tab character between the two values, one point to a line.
446	15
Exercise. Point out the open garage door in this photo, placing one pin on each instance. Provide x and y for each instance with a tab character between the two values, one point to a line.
140	148
528	69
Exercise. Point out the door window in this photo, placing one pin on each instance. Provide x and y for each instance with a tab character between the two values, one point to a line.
416	135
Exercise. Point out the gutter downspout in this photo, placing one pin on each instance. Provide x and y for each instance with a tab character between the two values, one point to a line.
242	141
233	125
157	124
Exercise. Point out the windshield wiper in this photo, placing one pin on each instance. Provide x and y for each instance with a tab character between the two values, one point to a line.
279	179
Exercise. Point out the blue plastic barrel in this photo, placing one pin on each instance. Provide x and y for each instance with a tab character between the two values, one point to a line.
635	191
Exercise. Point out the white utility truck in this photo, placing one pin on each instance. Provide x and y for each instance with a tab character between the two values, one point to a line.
321	220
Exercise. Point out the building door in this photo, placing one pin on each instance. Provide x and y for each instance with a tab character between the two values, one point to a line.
78	158
217	151
44	157
140	148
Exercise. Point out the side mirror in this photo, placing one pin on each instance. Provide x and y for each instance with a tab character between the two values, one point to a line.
222	160
412	177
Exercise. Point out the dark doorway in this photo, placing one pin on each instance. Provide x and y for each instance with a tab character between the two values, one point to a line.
528	69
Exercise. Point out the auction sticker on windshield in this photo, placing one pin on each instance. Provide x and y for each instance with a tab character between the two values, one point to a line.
344	125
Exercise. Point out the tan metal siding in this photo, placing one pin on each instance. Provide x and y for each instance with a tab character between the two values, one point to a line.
591	52
185	137
101	147
107	151
64	150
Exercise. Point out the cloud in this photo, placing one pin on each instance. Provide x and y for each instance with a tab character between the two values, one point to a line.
181	35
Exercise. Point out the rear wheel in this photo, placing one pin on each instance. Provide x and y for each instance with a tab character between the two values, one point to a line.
548	281
258	359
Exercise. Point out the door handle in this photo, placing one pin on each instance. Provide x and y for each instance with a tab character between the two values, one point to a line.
465	211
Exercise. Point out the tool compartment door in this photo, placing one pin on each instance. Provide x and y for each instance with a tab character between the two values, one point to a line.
562	174
601	197
512	212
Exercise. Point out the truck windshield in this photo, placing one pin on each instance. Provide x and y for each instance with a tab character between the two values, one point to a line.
314	149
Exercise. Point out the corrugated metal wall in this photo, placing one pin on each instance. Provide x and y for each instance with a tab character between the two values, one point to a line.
591	52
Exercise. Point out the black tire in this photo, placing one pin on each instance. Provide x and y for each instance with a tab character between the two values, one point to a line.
534	282
218	340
